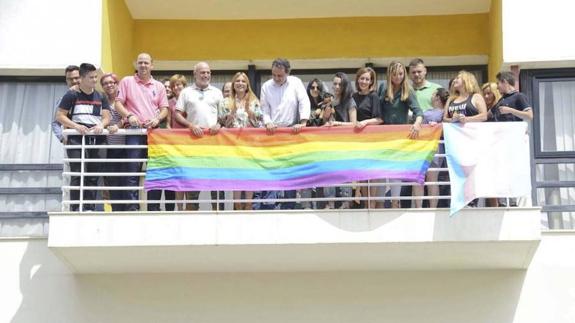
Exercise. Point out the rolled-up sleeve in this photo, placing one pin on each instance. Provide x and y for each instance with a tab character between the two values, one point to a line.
266	109
414	105
122	90
304	105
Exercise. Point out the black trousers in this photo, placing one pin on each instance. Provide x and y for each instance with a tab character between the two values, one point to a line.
89	167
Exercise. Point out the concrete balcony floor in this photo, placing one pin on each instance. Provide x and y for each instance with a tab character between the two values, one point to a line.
296	241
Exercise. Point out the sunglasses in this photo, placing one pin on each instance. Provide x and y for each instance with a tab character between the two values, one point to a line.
315	87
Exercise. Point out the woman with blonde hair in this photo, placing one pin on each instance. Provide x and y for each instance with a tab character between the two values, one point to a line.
241	110
396	102
491	96
466	103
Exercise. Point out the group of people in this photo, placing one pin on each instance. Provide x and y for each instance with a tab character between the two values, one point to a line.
140	101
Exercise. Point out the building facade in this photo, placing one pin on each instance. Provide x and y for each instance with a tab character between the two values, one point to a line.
505	265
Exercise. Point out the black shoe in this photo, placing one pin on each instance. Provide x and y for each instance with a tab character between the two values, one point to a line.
132	208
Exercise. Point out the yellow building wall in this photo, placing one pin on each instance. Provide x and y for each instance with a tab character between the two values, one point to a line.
496	39
117	38
314	38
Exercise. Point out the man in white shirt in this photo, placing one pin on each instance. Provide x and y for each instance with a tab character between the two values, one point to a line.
199	102
284	99
285	104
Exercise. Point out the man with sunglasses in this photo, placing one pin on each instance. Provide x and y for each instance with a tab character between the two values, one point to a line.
72	74
200	103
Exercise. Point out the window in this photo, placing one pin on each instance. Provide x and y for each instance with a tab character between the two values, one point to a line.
552	94
27	109
556	115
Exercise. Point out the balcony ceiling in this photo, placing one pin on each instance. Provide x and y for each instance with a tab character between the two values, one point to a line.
274	9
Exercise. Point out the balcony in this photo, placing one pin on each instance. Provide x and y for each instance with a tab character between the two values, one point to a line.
369	239
301	240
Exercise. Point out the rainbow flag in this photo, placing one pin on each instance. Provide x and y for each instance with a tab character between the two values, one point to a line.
249	159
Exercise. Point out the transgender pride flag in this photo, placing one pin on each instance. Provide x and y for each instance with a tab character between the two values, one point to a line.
487	159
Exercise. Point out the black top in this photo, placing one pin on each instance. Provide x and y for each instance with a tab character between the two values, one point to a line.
465	108
367	106
515	100
342	110
315	118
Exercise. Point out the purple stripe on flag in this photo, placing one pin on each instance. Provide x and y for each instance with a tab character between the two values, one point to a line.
317	180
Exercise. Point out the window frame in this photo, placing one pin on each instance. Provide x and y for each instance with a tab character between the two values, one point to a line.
529	85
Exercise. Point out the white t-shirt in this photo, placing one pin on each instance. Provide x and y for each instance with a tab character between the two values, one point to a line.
201	105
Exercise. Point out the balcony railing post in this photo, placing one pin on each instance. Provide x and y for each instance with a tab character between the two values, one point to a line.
82	169
65	179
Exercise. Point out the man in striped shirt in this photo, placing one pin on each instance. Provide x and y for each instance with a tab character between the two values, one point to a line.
87	111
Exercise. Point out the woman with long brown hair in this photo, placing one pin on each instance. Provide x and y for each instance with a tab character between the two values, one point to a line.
341	111
368	113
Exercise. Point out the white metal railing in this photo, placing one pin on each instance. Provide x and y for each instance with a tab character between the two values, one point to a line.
381	199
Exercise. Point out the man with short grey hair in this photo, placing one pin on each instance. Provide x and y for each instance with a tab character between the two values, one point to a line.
284	103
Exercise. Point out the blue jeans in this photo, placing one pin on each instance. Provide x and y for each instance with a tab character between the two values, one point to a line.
119	167
134	167
288	205
337	192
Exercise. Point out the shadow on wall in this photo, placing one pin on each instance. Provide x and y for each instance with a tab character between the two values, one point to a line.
460	227
50	293
47	287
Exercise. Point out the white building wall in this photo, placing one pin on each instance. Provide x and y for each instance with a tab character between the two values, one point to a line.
38	287
41	36
538	33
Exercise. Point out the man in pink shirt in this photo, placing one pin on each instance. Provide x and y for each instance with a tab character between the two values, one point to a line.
143	102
